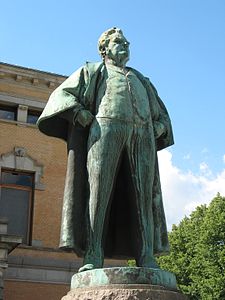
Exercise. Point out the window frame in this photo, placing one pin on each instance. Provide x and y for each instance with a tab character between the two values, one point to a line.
9	108
29	189
32	112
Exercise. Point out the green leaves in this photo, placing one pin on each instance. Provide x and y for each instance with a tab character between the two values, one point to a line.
197	254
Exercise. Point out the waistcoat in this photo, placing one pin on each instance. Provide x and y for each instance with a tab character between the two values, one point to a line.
122	96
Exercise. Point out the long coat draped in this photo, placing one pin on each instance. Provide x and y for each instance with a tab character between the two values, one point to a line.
58	119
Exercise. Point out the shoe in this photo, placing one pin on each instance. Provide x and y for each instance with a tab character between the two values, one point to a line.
92	261
148	262
86	267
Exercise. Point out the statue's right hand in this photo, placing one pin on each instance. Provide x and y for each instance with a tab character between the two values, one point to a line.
85	117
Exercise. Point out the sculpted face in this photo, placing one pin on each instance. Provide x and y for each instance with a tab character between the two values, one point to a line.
117	49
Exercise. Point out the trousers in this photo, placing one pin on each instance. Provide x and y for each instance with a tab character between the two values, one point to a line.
108	139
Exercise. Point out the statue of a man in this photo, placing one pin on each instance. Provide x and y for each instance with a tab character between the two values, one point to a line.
114	122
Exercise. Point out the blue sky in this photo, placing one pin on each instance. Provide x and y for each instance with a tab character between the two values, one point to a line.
179	44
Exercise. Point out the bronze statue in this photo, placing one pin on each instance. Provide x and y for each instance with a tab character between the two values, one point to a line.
114	122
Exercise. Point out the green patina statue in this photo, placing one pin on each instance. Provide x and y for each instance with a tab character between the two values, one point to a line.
113	122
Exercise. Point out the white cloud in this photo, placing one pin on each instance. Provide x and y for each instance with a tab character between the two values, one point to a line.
204	168
183	191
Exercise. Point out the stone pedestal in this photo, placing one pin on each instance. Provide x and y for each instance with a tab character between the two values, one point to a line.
124	292
123	283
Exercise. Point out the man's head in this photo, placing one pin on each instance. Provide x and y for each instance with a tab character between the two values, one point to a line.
114	46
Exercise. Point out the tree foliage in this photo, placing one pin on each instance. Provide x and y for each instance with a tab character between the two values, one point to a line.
197	255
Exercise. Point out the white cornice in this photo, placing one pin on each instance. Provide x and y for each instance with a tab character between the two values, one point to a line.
31	77
12	100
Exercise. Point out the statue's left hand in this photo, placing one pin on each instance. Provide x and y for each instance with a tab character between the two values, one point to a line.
84	117
159	129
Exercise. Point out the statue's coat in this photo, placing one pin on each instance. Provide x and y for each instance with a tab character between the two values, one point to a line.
59	120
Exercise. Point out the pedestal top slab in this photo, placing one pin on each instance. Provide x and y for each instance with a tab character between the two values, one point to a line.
124	275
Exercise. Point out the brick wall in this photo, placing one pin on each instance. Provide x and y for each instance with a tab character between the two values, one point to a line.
23	86
34	291
51	153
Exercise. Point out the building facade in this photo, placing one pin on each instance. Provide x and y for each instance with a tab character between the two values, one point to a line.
32	169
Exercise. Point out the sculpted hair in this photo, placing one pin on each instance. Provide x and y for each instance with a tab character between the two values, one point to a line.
104	40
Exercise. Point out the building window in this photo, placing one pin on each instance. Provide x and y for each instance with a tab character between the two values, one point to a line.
20	113
8	112
16	202
33	116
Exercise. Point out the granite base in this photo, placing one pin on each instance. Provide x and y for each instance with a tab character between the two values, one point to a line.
124	292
